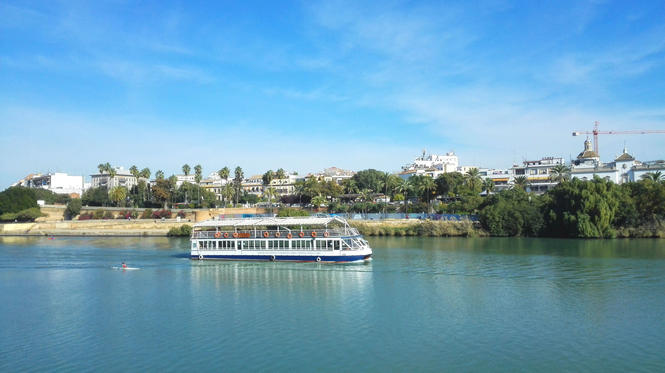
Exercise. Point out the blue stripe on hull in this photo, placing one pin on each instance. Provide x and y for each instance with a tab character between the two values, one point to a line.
284	258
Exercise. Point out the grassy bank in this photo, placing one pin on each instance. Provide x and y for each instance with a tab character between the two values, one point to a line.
427	228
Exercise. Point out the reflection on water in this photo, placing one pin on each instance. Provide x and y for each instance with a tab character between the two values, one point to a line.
422	304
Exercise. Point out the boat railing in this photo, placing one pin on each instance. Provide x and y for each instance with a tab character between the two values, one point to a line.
276	233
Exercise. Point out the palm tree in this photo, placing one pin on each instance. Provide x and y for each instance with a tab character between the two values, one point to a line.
488	186
267	179
426	186
224	175
318	201
350	186
198	173
299	190
118	194
560	173
655	176
472	179
403	187
280	174
101	167
134	171
365	195
159	175
521	182
145	173
186	169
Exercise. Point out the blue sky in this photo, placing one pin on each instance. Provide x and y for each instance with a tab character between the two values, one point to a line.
307	85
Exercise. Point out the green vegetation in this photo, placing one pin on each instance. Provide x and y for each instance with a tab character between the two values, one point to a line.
579	209
184	230
418	228
288	211
17	199
29	214
73	208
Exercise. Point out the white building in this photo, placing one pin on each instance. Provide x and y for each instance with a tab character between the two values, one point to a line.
588	164
502	178
432	165
538	173
639	170
57	182
181	179
122	177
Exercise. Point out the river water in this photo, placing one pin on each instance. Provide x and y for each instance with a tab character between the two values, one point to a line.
422	304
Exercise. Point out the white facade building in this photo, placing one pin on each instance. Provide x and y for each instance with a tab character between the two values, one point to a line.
538	173
181	179
432	165
57	182
122	177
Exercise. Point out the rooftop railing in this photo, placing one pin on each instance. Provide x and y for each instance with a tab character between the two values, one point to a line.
274	233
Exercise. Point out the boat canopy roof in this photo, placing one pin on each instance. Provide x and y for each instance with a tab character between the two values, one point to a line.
254	222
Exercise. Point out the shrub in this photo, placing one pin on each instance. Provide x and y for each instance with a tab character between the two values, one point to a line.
161	214
16	199
127	214
85	216
182	231
147	214
108	215
98	214
181	214
73	208
24	215
289	211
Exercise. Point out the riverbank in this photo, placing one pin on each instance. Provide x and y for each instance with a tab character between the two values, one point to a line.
157	228
128	228
422	228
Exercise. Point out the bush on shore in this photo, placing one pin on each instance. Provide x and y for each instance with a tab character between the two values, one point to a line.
73	208
24	215
419	228
289	211
182	231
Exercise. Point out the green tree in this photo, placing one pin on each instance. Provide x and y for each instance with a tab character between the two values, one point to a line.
369	179
449	184
655	176
15	199
584	209
473	181
198	173
95	197
145	173
267	179
559	173
318	201
73	208
134	171
224	173
280	174
159	175
118	195
238	176
521	182
350	186
488	186
186	169
512	212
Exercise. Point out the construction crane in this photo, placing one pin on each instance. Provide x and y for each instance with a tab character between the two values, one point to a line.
596	132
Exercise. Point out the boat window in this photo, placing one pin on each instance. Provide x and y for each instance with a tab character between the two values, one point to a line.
336	244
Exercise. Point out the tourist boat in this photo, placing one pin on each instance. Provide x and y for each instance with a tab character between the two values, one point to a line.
301	239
